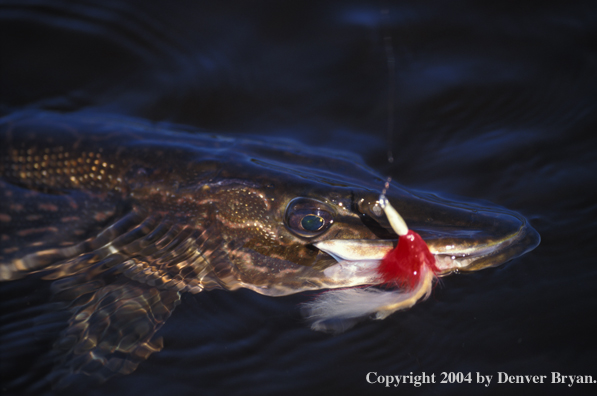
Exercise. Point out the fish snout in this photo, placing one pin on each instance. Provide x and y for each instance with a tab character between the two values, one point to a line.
463	236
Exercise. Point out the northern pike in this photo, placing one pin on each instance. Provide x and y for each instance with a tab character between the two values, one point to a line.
124	215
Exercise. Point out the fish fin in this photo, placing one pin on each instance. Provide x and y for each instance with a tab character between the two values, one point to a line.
111	327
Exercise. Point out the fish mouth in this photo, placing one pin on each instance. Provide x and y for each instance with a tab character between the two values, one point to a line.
470	254
463	237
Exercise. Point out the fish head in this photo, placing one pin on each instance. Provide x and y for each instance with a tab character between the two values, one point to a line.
306	213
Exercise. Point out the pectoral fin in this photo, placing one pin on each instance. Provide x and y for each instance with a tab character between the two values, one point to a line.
111	328
116	269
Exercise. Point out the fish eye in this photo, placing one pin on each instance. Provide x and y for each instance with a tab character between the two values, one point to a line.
308	217
312	222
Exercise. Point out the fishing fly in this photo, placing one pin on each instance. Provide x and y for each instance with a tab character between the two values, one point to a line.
410	267
408	270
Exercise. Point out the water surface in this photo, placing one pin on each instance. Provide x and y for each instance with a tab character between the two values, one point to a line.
493	101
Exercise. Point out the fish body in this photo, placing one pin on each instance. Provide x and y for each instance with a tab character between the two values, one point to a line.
123	216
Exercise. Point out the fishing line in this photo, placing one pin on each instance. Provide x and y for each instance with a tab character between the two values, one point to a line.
391	62
410	265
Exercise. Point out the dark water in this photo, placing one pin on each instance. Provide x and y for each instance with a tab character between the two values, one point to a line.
493	100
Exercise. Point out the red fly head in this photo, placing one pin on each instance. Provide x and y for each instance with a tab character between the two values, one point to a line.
403	265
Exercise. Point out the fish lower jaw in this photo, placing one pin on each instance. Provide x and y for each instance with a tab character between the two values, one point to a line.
349	273
448	264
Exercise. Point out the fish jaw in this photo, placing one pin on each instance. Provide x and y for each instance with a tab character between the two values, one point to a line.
464	250
450	257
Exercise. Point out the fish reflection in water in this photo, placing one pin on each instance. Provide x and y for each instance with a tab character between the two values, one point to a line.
123	216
